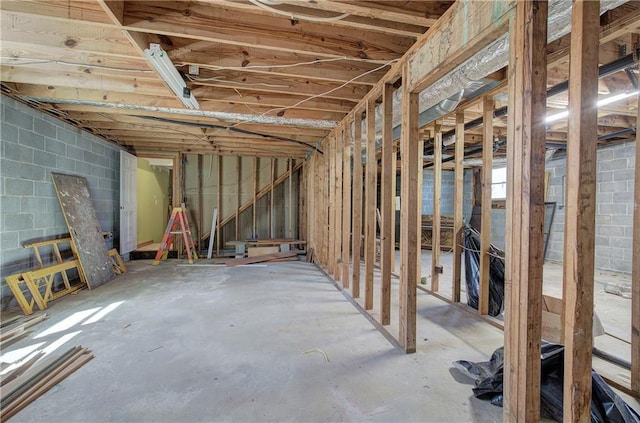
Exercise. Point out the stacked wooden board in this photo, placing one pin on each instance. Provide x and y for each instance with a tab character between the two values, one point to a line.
14	329
274	257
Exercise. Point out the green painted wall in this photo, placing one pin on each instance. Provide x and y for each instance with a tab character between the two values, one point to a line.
153	202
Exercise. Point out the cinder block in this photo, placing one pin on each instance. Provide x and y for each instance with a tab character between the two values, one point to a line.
623	197
30	235
17	117
9	240
612	186
610	230
603	219
603	241
620	265
17	221
65	136
83	168
75	153
9	133
56	147
602	262
616	253
17	152
44	189
605	154
43	158
621	241
45	128
33	204
99	149
615	164
616	209
625	150
10	204
53	205
18	187
31	171
604	198
66	165
604	176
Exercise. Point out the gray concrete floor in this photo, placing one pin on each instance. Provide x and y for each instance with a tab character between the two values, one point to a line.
204	343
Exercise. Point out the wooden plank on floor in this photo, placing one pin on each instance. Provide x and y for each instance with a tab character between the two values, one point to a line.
346	205
370	205
261	259
485	232
411	158
357	203
525	210
437	193
458	212
387	198
580	206
635	274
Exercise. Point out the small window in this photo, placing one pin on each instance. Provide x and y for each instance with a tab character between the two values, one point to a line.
499	183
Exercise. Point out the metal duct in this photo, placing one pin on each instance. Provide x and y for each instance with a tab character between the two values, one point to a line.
239	117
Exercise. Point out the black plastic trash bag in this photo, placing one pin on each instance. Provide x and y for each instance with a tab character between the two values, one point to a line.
606	405
471	240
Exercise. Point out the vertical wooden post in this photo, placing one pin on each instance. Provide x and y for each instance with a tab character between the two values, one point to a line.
271	214
323	208
219	205
255	191
579	236
331	158
485	232
387	198
370	206
437	193
338	208
394	178
290	220
458	207
239	196
200	203
357	203
346	203
411	165
525	210
635	273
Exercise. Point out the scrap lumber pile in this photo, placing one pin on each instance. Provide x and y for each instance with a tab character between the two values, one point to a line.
13	330
271	258
23	385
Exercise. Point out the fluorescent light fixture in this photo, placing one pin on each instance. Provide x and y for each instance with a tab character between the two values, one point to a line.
602	102
168	72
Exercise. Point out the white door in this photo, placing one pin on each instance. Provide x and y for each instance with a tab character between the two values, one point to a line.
128	205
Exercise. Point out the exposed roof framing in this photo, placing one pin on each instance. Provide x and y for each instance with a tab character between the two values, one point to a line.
286	62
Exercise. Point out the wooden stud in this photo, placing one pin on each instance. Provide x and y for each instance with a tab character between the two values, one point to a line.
219	243
239	196
200	204
635	274
254	230
346	205
370	206
458	212
339	207
437	193
411	158
525	210
331	158
357	203
290	227
394	177
271	214
579	236
485	232
476	197
387	198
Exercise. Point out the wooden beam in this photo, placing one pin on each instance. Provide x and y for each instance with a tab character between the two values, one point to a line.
579	236
525	211
485	231
437	193
254	191
464	30
370	205
357	203
239	196
635	273
271	214
219	203
290	227
339	207
387	197
458	211
411	158
394	177
200	205
346	205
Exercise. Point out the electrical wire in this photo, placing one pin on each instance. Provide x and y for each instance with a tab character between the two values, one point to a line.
278	109
215	79
290	65
67	63
297	17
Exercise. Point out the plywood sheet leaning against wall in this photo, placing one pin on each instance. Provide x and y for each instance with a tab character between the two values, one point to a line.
77	208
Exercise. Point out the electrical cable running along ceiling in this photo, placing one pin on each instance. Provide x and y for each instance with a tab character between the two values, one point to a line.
273	79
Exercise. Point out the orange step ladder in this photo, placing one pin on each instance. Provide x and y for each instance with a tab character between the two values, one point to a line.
178	224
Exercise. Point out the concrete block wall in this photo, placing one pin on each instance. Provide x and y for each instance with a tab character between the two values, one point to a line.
614	207
33	146
447	197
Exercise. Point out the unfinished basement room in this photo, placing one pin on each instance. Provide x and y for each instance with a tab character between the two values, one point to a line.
320	211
